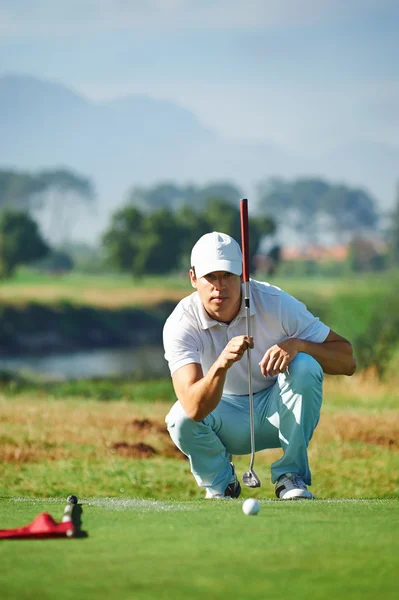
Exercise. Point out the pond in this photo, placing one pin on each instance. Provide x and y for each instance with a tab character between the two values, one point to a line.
141	362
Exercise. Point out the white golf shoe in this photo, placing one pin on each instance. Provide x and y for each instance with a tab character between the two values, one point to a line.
291	486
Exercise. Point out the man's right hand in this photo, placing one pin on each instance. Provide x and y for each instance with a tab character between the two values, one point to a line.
234	350
199	394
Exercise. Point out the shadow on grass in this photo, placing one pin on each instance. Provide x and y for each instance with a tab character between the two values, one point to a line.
77	522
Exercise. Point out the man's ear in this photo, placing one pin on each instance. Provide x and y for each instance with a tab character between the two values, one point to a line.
193	278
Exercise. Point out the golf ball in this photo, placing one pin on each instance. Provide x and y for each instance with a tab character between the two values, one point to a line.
250	506
72	499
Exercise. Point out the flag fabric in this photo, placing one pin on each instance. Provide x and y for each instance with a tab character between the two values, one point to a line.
43	526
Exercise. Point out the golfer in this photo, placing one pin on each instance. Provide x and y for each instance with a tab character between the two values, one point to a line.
205	341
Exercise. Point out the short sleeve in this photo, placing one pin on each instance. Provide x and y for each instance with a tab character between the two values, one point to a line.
180	347
299	322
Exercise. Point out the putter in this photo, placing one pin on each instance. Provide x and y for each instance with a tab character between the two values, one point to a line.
250	479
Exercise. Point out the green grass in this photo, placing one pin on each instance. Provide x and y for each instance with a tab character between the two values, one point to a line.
156	537
363	281
25	276
111	389
358	284
151	535
200	549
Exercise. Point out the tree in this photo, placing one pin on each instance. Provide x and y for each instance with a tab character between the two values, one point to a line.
275	198
313	206
173	196
56	261
53	198
224	190
122	240
20	241
365	256
19	190
64	194
161	241
143	243
193	225
351	210
162	195
225	217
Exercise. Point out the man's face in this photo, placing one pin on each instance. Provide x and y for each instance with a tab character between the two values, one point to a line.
220	294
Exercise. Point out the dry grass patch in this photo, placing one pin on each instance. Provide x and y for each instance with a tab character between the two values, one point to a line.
364	389
47	430
98	297
113	448
377	430
12	452
50	430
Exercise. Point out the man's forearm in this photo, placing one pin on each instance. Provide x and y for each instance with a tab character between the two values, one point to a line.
204	395
335	358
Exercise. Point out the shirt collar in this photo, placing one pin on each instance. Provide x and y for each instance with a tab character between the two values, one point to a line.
207	322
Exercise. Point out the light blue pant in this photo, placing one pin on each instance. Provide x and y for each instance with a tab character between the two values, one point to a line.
285	415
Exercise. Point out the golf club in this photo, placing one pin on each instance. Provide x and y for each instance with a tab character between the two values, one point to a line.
250	479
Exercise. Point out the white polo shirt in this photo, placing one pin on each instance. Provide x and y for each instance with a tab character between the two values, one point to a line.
190	335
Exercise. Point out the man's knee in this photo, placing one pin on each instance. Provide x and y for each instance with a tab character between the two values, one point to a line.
181	428
305	367
303	373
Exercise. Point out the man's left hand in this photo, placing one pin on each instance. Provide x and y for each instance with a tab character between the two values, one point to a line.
278	357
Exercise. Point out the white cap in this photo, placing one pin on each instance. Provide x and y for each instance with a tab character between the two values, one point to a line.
216	252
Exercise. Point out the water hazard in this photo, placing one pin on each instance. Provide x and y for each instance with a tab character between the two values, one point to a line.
141	362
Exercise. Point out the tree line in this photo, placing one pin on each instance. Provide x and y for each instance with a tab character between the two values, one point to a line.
157	227
312	207
51	197
160	241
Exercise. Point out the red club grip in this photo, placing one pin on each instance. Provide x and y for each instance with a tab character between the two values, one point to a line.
244	238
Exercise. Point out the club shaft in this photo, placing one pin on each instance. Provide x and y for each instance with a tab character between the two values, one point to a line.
245	275
251	398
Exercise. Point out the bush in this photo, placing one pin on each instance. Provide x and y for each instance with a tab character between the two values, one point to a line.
370	321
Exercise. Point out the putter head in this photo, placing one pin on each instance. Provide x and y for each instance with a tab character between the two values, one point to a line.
250	479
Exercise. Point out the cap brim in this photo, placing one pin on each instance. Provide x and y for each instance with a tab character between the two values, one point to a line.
229	266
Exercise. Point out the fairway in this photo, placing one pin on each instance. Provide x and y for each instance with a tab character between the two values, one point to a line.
142	549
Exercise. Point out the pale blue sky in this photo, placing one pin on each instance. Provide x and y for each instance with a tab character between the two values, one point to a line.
309	75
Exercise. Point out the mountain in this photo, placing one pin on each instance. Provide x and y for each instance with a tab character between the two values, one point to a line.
138	140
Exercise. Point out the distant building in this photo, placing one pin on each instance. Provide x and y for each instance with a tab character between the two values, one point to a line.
317	253
363	248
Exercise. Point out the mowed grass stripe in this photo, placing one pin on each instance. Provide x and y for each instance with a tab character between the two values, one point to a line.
322	549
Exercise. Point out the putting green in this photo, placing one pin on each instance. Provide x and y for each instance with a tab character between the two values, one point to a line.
142	549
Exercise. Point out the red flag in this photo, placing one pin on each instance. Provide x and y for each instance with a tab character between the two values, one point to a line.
42	526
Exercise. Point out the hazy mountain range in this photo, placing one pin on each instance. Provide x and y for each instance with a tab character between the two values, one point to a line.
138	140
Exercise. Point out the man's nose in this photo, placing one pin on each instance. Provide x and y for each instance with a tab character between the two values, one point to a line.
219	283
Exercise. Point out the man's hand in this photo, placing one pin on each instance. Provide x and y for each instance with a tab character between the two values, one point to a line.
278	357
234	350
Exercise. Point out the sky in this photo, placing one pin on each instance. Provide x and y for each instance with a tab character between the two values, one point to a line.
308	75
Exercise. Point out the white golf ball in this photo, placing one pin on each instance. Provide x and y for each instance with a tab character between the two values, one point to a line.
250	506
